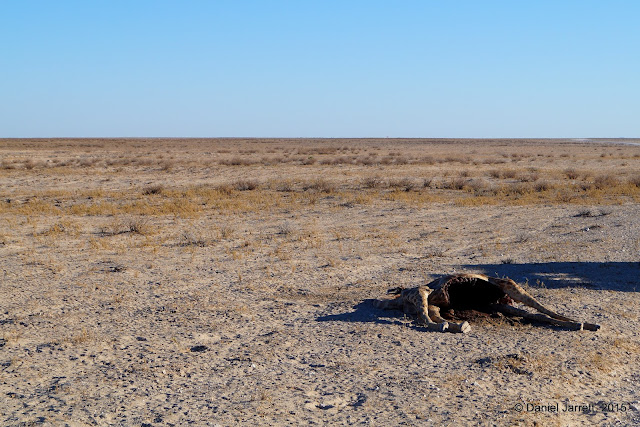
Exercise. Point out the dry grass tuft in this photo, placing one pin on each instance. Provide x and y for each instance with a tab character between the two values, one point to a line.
635	180
542	186
404	184
454	184
285	186
153	189
372	182
189	238
245	185
320	186
605	181
127	225
571	173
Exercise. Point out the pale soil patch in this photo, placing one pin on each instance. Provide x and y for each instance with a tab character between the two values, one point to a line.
172	293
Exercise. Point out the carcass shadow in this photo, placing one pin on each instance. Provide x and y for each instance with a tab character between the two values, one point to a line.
367	312
363	312
612	276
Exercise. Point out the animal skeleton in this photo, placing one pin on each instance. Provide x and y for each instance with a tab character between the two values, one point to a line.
472	291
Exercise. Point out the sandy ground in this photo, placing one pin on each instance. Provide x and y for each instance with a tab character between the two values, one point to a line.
120	306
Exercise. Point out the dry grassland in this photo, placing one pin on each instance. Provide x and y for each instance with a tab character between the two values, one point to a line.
229	281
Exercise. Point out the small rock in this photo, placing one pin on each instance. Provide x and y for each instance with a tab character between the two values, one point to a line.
321	406
199	348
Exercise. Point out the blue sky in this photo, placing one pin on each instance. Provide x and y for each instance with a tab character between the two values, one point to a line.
319	68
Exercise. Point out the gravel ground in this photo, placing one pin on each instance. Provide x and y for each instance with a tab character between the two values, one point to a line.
267	318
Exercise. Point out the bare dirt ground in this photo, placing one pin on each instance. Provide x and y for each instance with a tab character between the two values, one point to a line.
167	282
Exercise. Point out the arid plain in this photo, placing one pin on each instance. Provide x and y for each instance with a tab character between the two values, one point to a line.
230	281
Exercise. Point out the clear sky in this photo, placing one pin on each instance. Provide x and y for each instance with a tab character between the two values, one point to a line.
348	68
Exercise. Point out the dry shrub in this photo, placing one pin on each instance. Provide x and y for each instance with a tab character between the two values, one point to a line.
528	177
518	189
428	160
394	159
137	226
127	225
401	161
479	187
427	182
284	186
147	162
635	180
366	161
317	150
477	200
153	189
278	159
82	337
296	160
89	162
189	238
320	186
456	159
224	189
237	161
167	165
372	182
586	186
245	185
268	161
226	231
564	196
454	184
605	181
60	227
35	206
450	159
404	184
542	186
308	161
284	229
340	160
571	173
493	161
503	173
509	173
9	164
